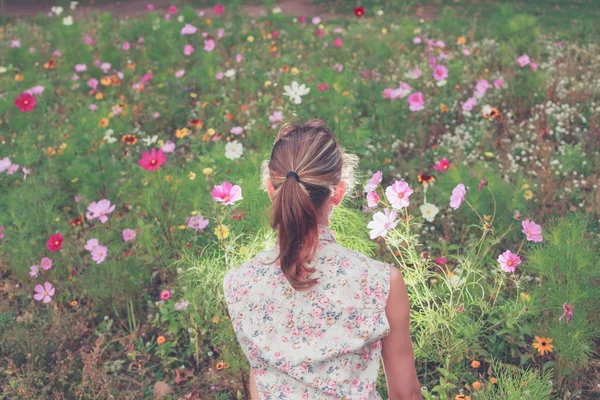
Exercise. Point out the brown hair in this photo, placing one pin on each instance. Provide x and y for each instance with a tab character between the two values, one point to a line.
306	165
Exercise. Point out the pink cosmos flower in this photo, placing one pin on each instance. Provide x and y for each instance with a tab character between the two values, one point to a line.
93	83
226	193
236	130
46	263
5	163
481	87
25	102
15	44
432	62
188	49
338	67
80	68
523	60
93	107
168	147
90	244
180	73
34	271
559	44
372	199
469	104
26	172
567	312
126	46
188	29
219	76
88	40
197	223
322	87
398	194
440	73
276	119
105	67
533	66
153	160
44	293
58	53
149	7
99	210
402	91
382	222
209	45
316	20
532	230
155	114
440	44
498	83
219	8
509	261
220	33
373	182
416	101
1	232
204	34
128	234
275	34
302	19
239	57
337	42
466	52
172	10
416	40
99	253
320	32
442	165
458	196
36	90
165	295
12	169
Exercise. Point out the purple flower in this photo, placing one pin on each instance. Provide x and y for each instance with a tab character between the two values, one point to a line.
458	196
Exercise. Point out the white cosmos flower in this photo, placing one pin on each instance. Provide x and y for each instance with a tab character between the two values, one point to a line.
68	21
149	140
230	73
57	10
486	110
429	211
295	92
233	150
276	10
74	4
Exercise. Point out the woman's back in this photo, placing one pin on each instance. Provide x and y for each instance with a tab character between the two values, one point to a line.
317	344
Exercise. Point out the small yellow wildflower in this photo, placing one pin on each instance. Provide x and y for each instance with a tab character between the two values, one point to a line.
268	83
384	30
74	303
525	187
181	133
192	175
542	345
207	171
489	154
250	38
222	232
295	71
525	297
528	195
211	131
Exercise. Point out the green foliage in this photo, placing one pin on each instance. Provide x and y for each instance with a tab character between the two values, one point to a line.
517	384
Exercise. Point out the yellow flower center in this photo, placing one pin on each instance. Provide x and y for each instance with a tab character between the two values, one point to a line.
509	263
56	243
400	195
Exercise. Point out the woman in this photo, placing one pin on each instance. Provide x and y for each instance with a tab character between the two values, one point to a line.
312	317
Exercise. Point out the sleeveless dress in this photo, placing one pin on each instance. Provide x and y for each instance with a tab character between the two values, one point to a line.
323	343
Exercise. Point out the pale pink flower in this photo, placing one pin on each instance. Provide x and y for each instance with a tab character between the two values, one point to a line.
99	210
398	194
220	33
99	253
338	67
523	60
34	271
12	169
44	293
46	263
219	76
180	73
188	29
91	243
416	101
533	66
498	83
469	104
466	52
226	193
209	45
126	46
458	196
36	90
197	223
93	107
93	83
188	49
440	44
239	57
5	163
105	67
372	199
316	21
80	67
509	261
373	182
26	172
481	87
382	222
237	130
440	73
155	114
128	234
532	230
276	119
417	40
168	147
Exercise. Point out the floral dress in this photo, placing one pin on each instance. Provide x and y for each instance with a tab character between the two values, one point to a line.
322	343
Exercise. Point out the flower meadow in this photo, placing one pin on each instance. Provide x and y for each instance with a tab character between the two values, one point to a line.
130	158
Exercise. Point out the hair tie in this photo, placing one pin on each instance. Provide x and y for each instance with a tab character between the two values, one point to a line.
295	175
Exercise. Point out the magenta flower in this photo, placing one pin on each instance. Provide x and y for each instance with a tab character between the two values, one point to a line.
532	230
567	312
91	244
441	260
523	60
509	261
34	271
458	196
1	232
44	293
165	295
99	253
209	45
322	87
153	160
219	8
128	234
374	181
416	101
172	10
442	165
533	66
197	223
93	83
99	210
440	73
188	29
46	263
398	194
372	199
337	42
227	193
381	223
188	49
498	83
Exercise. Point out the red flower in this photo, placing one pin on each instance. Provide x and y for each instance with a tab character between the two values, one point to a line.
322	87
359	11
55	242
151	161
25	102
238	214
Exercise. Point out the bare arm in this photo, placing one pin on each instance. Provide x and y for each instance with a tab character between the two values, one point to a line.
397	351
253	387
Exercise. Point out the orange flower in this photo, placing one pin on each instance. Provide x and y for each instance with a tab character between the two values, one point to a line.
444	108
462	397
493	380
220	365
285	68
543	345
19	77
387	160
244	107
129	139
477	385
461	40
181	133
228	116
51	64
160	340
103	123
77	221
131	66
475	364
196	123
99	96
206	137
215	320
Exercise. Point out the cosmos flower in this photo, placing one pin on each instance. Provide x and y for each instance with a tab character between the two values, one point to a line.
532	230
509	261
458	196
44	293
398	194
295	92
226	193
382	222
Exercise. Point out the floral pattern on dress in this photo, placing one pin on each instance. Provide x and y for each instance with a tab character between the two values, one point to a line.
322	343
